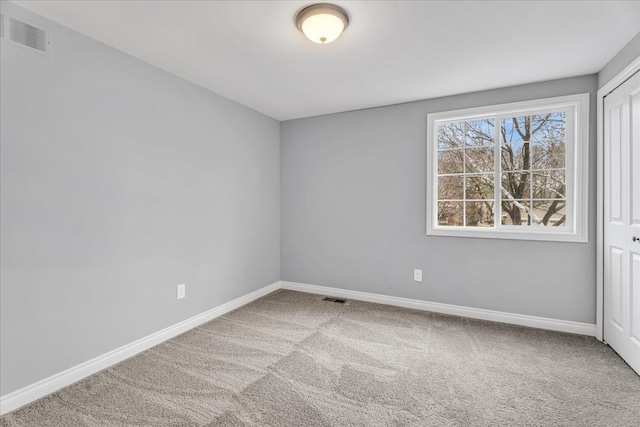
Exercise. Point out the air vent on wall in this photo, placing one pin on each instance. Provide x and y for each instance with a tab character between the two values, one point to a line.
28	35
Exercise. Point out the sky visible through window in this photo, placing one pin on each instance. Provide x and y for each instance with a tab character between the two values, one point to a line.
531	175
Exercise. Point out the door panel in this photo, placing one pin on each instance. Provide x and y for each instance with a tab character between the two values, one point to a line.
615	163
635	159
616	280
635	298
622	221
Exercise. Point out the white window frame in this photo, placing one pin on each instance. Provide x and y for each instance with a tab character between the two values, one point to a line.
576	108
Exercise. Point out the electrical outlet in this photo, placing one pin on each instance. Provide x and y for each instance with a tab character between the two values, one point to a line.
181	291
417	275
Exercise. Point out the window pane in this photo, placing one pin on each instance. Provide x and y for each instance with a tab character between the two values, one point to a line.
479	132
545	132
551	126
517	185
479	214
516	155
515	212
479	187
479	159
473	133
514	129
548	154
549	184
550	212
451	135
450	214
450	161
450	187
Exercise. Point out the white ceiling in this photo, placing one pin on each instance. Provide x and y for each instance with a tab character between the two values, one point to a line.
392	52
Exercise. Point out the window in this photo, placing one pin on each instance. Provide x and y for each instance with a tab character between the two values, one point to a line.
513	171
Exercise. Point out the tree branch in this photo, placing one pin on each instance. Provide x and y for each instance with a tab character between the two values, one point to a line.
512	199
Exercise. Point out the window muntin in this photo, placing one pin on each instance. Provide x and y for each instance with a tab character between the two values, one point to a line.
510	171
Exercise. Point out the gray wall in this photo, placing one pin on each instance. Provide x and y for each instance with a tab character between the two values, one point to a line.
630	52
120	181
353	215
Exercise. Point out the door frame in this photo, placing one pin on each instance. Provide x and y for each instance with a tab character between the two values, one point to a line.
605	90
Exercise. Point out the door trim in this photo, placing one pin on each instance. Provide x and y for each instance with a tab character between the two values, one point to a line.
605	90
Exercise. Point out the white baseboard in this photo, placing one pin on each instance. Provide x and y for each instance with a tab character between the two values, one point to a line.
55	382
28	394
456	310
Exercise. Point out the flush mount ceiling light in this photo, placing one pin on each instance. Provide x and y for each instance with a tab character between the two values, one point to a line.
323	22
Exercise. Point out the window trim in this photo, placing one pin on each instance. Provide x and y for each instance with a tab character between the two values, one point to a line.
577	165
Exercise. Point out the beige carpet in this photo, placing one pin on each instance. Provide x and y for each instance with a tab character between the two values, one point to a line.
291	359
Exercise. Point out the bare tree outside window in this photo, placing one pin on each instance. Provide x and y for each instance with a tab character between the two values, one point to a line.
533	160
531	178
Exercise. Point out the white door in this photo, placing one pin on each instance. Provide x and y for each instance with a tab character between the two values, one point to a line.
622	220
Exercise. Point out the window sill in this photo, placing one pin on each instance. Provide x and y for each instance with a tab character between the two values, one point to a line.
556	236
